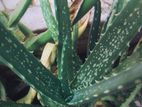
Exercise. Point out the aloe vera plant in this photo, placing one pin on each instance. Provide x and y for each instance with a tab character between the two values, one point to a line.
75	83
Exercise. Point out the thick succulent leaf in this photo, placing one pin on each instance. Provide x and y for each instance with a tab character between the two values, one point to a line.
129	61
12	104
95	28
49	18
75	35
16	31
132	95
76	61
64	44
111	84
27	67
117	7
112	44
126	90
3	19
19	12
65	62
127	67
76	64
85	7
18	34
34	42
26	31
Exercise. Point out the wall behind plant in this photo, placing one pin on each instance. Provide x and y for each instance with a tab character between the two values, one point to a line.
33	17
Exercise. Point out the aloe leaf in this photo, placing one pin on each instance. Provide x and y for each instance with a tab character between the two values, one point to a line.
34	42
104	87
76	61
95	28
76	65
132	96
12	104
111	45
3	19
75	36
64	73
49	18
85	7
64	44
117	7
28	68
111	83
18	33
19	12
25	30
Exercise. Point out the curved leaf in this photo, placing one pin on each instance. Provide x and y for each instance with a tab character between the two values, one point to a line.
49	18
111	45
104	87
95	28
19	12
27	67
85	7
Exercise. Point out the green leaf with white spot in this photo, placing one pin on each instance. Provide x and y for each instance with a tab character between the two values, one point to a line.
95	28
65	43
105	86
28	68
117	7
49	18
112	44
76	61
131	67
15	31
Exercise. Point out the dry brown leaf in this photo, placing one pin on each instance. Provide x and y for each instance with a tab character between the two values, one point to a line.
48	55
28	99
73	13
75	8
83	24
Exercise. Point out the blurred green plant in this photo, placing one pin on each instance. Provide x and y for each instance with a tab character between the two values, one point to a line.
74	83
